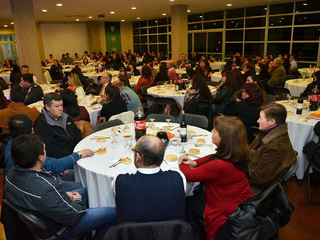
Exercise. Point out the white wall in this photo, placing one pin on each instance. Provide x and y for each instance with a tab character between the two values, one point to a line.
63	38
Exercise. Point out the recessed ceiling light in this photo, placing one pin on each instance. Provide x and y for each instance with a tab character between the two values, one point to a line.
133	8
171	0
44	10
5	25
200	16
305	4
188	10
112	12
122	20
265	9
229	5
163	14
138	17
90	16
12	22
59	4
77	19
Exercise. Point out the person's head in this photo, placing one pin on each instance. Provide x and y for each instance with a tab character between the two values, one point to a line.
317	76
50	56
15	68
70	103
76	71
263	68
170	64
149	152
125	80
112	92
67	55
202	63
292	58
85	53
132	65
24	69
27	150
53	104
271	115
19	125
26	80
85	60
190	73
163	67
266	59
105	78
228	78
146	71
249	68
183	57
252	93
277	62
252	79
198	82
18	94
55	62
271	64
76	55
74	81
119	84
230	137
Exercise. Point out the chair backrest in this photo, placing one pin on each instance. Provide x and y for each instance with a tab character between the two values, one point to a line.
163	230
162	82
144	88
195	120
47	77
290	172
160	117
165	101
270	98
127	116
110	123
85	127
148	97
280	90
33	222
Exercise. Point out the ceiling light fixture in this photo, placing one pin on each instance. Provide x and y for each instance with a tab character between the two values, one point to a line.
77	19
12	22
44	10
122	20
112	12
138	17
59	4
171	0
163	14
133	8
188	10
229	5
90	16
5	25
305	4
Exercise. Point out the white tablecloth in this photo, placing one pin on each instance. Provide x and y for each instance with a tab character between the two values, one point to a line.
297	85
216	77
95	174
307	72
217	65
300	133
169	92
115	74
6	76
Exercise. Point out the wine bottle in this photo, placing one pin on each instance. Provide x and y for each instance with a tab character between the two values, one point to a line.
300	105
183	128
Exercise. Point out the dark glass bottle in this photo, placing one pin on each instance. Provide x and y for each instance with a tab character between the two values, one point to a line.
300	105
183	128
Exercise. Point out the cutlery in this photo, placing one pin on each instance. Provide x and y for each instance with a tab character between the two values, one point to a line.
191	155
95	137
199	135
307	119
116	163
202	145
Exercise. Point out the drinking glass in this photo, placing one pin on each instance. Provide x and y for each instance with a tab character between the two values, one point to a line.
168	121
151	124
126	125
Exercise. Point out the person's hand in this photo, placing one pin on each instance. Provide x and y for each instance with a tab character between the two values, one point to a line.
210	73
87	153
186	160
64	173
238	100
74	196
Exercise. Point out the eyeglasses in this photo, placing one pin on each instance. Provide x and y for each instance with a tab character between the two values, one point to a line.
135	151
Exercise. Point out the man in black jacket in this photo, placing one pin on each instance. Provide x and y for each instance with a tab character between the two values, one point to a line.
34	91
63	213
57	129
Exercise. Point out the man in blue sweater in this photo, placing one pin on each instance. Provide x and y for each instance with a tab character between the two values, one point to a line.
150	194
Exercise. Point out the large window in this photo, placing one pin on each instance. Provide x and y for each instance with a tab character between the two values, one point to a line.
8	49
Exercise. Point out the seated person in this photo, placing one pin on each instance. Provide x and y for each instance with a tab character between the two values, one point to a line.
278	72
34	91
63	212
57	129
162	75
76	71
311	86
172	74
150	194
76	86
203	69
183	61
222	194
271	152
114	105
56	71
17	97
105	81
146	79
71	107
132	69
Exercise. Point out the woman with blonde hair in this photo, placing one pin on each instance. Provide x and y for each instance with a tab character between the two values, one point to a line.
224	174
76	86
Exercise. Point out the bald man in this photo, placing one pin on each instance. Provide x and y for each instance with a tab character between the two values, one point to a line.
150	194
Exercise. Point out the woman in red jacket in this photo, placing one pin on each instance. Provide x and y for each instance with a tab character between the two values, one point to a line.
224	174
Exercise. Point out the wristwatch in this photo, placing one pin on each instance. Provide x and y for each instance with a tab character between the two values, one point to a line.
80	154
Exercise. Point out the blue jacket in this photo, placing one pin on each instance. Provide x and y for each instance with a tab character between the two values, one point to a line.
55	165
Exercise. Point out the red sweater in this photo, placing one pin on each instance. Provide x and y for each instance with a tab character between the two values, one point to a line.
142	82
225	188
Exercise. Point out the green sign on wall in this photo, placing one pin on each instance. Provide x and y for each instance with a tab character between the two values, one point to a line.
113	36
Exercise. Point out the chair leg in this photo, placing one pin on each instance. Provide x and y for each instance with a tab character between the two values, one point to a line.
309	190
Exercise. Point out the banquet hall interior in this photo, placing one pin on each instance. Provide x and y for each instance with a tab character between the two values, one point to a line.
31	30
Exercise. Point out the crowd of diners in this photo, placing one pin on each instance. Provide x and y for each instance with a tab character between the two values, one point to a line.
41	144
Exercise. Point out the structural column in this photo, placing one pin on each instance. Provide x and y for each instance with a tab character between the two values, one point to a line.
179	31
26	35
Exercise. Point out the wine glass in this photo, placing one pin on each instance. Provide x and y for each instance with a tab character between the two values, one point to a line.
168	121
114	136
126	125
151	124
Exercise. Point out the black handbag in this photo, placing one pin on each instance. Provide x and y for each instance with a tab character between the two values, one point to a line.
258	218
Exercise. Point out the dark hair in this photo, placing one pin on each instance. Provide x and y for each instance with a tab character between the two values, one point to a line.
76	70
198	82
238	77
24	66
18	94
255	94
70	103
233	144
49	97
125	80
317	75
275	111
19	125
133	64
251	67
112	91
27	77
146	72
26	149
190	72
15	68
84	60
230	80
151	152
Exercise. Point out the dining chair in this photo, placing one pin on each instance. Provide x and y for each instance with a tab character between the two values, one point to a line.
127	116
290	172
280	92
85	127
195	120
108	124
33	223
162	230
160	117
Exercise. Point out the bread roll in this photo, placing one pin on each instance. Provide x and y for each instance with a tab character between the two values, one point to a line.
171	158
101	151
194	151
101	139
126	161
201	141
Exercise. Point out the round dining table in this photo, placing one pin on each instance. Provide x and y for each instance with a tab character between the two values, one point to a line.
96	174
297	85
307	72
300	130
217	65
168	91
115	74
6	76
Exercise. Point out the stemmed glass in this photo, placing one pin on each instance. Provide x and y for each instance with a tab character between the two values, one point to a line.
151	125
128	143
126	125
114	135
168	121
